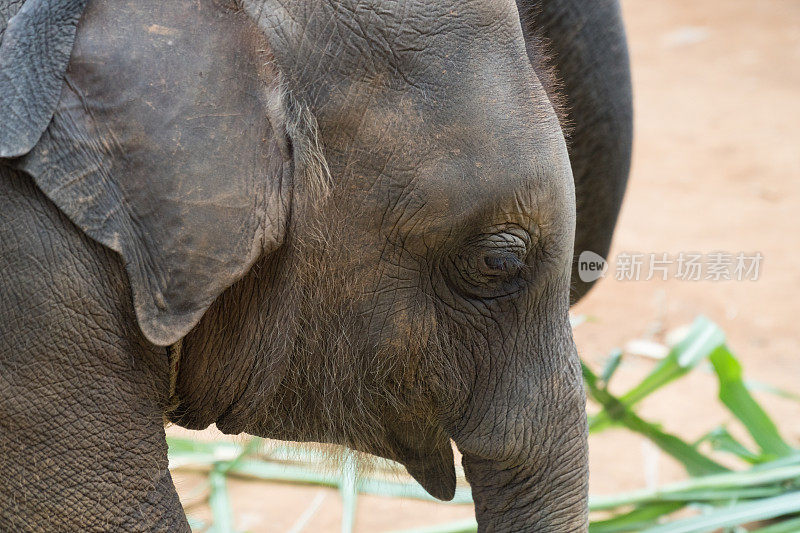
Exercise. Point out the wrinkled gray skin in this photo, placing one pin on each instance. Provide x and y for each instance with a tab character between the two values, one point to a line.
353	220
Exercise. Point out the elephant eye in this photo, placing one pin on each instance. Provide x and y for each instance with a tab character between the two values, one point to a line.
491	265
500	264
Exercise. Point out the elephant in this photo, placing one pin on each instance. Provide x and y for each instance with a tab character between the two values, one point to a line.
338	221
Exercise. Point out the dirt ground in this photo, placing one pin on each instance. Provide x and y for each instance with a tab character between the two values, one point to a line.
716	168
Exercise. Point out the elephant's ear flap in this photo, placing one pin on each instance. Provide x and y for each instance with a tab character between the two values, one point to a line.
162	147
34	54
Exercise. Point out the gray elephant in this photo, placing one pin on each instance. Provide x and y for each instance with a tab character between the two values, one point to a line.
346	221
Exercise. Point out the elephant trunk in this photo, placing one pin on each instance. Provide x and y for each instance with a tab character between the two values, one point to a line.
537	480
525	498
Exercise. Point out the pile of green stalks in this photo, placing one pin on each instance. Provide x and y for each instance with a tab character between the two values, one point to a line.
762	497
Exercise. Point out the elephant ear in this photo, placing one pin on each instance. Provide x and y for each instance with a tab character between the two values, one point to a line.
34	53
160	145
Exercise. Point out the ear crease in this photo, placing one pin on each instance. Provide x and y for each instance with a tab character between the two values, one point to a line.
276	114
311	168
297	136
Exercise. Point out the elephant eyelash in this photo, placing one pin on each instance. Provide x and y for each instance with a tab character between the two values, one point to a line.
491	267
501	264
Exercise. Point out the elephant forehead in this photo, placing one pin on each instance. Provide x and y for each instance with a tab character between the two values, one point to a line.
392	25
457	188
479	151
456	192
325	46
395	26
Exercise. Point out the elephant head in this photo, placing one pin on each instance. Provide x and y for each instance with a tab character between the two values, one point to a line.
354	220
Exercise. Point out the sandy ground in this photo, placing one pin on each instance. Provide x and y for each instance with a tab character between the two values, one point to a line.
716	168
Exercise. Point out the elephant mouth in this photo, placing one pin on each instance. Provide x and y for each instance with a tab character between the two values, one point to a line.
427	456
425	452
436	473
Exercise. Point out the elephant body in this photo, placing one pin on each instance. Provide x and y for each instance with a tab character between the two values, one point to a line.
348	222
